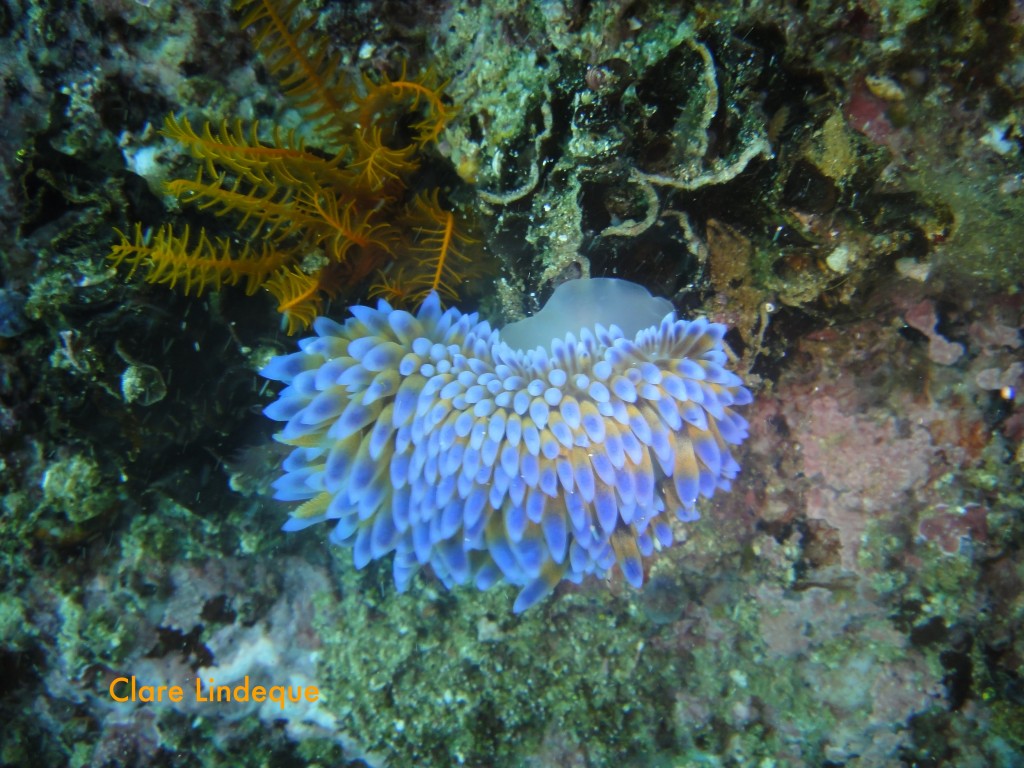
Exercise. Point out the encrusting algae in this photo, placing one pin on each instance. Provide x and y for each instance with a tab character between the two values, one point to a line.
322	219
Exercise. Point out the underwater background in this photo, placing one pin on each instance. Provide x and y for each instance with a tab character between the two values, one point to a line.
185	186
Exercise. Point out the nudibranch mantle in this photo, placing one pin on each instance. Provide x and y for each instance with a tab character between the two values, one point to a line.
429	436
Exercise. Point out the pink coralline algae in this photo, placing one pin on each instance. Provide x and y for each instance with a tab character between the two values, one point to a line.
1000	379
922	317
950	530
867	113
991	334
860	467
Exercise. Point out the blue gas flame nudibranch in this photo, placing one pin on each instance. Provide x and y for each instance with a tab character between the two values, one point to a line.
429	436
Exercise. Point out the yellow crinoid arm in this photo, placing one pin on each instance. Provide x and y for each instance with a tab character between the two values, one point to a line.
395	98
433	257
171	259
307	73
300	297
237	148
377	164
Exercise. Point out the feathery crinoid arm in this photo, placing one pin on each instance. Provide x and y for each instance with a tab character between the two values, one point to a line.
433	256
265	211
422	96
307	73
301	295
378	166
170	259
239	150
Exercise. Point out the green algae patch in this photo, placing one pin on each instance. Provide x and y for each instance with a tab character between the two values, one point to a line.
437	680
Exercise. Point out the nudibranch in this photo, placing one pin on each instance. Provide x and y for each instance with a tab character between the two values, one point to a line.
553	449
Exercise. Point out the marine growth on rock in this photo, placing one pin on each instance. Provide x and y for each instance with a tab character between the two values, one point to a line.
429	436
